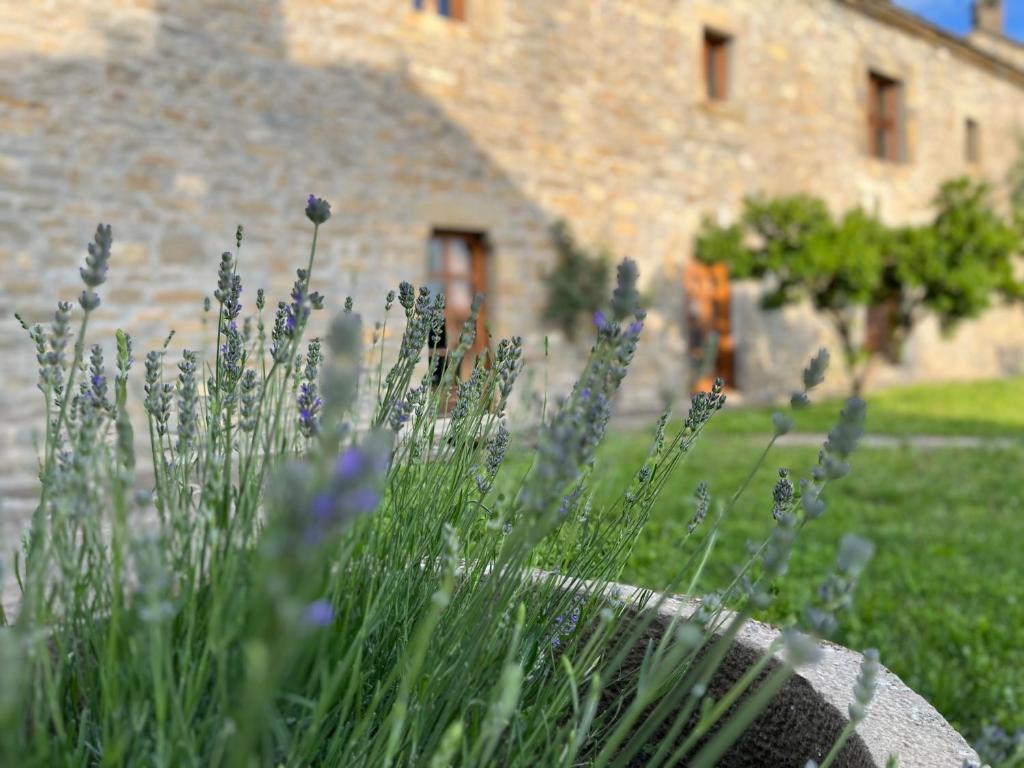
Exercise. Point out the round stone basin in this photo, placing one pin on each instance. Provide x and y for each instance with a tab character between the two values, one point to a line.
803	720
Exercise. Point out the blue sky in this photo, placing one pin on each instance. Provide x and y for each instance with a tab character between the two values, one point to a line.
955	15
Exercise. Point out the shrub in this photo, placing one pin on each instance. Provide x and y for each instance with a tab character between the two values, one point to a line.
302	582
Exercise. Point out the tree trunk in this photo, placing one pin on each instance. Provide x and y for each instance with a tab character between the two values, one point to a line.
857	370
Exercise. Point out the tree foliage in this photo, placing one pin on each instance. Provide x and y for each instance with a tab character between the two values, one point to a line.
950	267
954	266
577	284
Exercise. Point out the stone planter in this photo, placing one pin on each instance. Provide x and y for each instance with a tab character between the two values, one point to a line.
803	718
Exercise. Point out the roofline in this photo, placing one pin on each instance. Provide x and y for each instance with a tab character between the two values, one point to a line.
887	13
1006	39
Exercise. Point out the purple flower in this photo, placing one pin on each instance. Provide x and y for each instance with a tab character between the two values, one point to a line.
635	327
309	404
350	463
563	511
297	309
600	320
354	487
566	626
318	210
352	492
323	506
361	500
319	613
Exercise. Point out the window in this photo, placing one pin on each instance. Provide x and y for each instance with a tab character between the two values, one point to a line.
450	9
972	141
458	266
716	65
884	118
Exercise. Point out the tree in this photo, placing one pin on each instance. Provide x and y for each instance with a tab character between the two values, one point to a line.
950	268
955	265
577	284
802	251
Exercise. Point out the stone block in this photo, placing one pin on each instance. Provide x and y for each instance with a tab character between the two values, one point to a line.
180	247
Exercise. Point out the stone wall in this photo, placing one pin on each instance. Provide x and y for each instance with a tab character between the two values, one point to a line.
177	119
999	46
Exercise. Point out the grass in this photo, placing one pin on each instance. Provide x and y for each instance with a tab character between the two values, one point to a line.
942	600
982	408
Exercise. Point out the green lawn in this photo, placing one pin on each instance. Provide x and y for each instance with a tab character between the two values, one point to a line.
984	408
943	599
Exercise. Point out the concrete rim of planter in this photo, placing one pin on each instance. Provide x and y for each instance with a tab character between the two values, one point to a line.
899	721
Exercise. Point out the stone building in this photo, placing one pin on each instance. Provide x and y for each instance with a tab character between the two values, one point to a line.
463	128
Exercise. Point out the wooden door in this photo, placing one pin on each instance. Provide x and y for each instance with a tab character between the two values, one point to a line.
709	311
458	266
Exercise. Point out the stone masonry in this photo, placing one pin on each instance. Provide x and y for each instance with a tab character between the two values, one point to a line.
175	120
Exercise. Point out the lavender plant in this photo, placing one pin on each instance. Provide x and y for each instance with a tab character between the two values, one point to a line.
300	578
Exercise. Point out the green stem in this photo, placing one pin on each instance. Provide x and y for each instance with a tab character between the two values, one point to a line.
52	439
734	728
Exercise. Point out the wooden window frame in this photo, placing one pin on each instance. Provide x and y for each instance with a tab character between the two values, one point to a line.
444	277
972	141
885	117
448	9
717	63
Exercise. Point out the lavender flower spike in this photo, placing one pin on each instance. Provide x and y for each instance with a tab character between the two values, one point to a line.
318	210
94	273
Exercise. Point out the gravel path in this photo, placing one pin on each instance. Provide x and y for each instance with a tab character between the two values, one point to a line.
923	442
